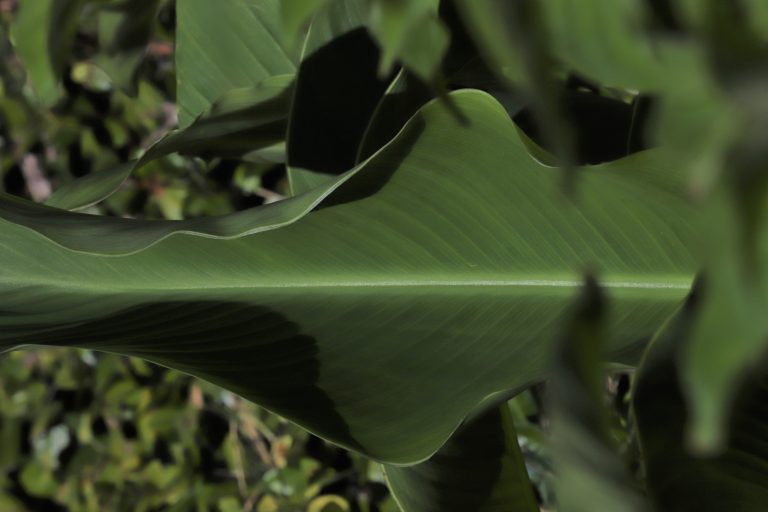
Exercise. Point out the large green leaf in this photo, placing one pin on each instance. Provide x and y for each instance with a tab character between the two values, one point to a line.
433	275
677	479
480	468
226	45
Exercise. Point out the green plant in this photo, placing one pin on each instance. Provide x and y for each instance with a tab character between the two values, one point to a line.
435	257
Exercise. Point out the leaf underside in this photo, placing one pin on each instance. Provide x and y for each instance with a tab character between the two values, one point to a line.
434	274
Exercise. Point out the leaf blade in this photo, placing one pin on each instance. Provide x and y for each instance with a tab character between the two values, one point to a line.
428	295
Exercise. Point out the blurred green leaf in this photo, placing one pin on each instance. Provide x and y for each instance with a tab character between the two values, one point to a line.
676	478
37	479
42	35
590	473
411	32
124	29
328	503
296	15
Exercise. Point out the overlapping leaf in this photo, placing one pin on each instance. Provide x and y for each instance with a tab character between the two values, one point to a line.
227	45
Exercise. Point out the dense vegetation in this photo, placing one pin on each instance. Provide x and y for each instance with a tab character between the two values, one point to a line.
501	256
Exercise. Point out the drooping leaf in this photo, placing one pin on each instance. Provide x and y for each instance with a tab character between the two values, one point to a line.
462	68
448	257
728	338
248	124
480	468
677	479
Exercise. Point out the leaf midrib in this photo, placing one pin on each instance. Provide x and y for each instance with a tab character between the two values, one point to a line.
651	282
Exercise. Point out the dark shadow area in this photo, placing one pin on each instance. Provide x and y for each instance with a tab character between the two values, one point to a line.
663	16
462	474
337	90
731	479
248	349
395	109
605	128
377	173
463	66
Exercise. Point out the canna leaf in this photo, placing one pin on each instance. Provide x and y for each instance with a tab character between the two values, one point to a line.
434	274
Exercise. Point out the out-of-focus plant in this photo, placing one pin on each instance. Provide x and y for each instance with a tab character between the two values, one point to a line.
86	431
